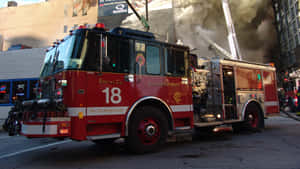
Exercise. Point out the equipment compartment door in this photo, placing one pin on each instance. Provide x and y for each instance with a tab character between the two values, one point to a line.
229	93
271	99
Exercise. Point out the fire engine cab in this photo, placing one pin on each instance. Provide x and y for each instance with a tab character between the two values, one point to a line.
97	85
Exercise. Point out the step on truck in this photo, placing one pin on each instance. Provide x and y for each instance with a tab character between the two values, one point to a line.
98	85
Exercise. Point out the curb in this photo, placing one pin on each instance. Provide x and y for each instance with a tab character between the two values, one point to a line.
1	123
1	129
292	115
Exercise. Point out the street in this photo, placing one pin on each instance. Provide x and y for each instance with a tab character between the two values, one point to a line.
277	147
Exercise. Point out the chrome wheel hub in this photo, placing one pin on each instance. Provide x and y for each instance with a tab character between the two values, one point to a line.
150	130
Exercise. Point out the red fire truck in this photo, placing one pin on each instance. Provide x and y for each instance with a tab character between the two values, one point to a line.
98	85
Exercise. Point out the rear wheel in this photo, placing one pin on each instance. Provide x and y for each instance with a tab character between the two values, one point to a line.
12	129
254	120
148	130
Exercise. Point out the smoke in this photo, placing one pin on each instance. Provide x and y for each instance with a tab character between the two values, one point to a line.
190	20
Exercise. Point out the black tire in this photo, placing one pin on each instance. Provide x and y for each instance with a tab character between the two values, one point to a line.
254	120
5	125
11	129
147	130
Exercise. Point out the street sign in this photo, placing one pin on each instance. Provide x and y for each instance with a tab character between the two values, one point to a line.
112	7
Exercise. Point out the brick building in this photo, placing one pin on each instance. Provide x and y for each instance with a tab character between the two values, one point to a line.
39	25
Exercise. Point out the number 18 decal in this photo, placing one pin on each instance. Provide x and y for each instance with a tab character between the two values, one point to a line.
113	95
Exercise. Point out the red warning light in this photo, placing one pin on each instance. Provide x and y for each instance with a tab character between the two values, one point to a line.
100	26
82	27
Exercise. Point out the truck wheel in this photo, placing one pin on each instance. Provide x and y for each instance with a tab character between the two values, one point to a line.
12	129
254	120
147	130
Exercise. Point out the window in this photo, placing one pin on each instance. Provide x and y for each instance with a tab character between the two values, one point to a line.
32	88
74	12
84	11
18	47
117	58
75	26
140	50
179	62
19	89
65	28
249	79
4	92
153	60
66	10
169	60
62	57
174	62
124	56
114	52
91	52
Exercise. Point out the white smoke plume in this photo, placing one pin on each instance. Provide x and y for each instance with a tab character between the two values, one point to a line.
190	19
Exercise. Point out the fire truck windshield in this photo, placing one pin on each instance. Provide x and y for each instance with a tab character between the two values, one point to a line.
86	50
62	56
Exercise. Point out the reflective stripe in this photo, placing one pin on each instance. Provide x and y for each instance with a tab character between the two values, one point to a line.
183	128
38	129
56	119
100	111
181	108
106	136
271	103
73	111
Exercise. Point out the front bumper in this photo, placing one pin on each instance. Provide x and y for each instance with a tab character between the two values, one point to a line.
52	127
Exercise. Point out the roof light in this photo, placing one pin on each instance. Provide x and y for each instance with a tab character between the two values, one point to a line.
100	26
272	64
82	27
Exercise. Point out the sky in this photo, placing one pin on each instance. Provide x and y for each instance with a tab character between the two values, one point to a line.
3	3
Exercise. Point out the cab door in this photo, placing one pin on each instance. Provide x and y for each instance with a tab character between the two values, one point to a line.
108	87
229	93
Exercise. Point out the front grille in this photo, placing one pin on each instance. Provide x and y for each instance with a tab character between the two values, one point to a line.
40	116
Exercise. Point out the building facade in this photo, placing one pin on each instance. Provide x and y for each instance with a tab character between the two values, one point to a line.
287	24
39	25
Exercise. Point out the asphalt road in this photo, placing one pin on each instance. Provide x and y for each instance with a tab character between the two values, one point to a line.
277	147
